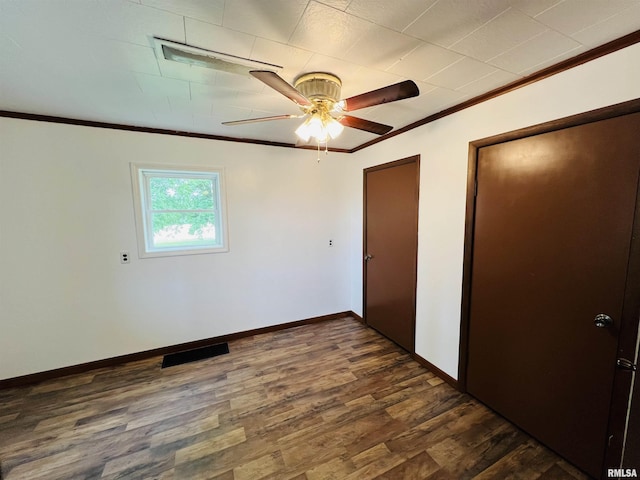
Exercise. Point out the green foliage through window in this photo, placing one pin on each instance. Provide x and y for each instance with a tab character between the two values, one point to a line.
178	202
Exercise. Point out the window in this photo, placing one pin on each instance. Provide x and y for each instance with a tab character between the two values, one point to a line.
179	210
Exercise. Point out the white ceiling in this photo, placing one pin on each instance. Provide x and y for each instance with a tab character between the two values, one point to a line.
94	59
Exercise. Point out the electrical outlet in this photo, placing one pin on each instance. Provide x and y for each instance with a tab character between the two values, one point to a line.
124	257
331	243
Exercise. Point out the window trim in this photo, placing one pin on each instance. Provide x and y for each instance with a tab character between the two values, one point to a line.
143	220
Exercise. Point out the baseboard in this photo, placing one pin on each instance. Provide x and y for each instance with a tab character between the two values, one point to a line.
444	376
133	357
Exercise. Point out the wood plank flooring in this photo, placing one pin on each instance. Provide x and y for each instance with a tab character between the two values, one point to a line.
332	400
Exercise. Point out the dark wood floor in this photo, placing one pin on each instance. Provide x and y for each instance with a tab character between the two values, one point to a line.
332	400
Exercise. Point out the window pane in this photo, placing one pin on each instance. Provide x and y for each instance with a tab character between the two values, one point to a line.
170	193
183	229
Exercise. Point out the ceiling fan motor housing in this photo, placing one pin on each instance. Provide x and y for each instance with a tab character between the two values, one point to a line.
319	87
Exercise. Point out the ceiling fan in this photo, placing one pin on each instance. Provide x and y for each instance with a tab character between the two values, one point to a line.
317	94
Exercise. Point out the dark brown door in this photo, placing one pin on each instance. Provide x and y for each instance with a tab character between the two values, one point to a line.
390	246
553	223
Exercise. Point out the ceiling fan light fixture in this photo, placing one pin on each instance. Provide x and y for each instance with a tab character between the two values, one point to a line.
321	127
334	128
304	131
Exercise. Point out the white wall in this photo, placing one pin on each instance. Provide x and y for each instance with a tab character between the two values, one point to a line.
66	212
443	146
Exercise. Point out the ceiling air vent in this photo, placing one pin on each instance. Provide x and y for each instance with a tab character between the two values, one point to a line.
198	57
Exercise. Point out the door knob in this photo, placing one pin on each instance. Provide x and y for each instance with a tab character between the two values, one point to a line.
602	320
367	257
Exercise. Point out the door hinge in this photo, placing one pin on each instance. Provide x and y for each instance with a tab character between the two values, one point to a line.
625	364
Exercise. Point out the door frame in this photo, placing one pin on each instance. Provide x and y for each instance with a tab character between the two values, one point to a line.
403	161
629	323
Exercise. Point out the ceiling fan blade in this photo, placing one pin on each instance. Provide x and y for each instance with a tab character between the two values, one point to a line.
280	85
366	125
391	93
261	119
